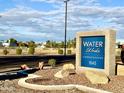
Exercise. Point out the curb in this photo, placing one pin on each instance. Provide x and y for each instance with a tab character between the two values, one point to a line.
22	83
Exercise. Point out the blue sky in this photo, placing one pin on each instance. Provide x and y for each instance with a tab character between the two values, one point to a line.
41	20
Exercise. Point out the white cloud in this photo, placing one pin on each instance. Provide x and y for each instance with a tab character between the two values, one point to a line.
71	2
24	22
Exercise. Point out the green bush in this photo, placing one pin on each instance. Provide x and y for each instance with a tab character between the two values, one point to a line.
18	51
52	62
5	51
69	52
31	50
60	51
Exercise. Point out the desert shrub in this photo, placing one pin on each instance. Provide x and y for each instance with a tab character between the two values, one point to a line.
31	50
60	51
18	51
5	51
52	62
69	52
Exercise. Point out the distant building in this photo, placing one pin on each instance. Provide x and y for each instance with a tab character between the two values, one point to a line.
9	44
5	44
42	45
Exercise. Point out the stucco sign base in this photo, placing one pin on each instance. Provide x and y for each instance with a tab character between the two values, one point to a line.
95	51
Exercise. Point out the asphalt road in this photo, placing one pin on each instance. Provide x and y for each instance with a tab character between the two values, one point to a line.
7	62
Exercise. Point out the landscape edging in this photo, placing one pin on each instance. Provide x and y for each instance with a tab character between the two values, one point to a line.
22	82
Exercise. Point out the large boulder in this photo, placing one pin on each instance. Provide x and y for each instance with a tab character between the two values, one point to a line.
68	66
96	77
61	74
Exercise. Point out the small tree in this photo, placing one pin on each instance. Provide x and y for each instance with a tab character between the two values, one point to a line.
48	44
52	62
5	51
31	44
62	44
18	51
31	50
12	40
21	44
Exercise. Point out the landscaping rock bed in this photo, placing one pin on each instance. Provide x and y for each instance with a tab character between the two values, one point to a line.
50	80
115	85
11	86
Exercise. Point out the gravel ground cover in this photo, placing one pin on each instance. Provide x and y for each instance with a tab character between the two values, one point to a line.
116	84
12	86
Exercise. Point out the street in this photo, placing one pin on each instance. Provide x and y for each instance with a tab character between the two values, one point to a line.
11	62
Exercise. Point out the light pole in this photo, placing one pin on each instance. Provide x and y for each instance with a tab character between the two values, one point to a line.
66	3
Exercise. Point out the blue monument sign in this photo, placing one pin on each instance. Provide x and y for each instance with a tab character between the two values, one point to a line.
92	51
